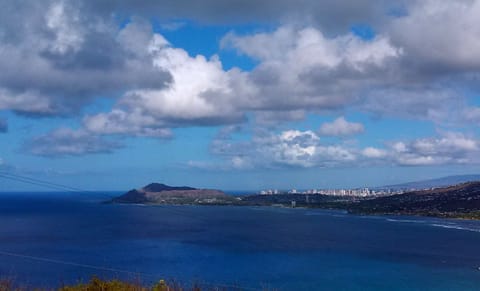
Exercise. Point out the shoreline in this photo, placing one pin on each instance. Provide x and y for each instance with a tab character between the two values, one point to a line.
344	210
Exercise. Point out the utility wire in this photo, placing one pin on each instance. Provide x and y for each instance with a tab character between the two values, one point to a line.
60	187
109	269
30	182
46	184
47	260
43	182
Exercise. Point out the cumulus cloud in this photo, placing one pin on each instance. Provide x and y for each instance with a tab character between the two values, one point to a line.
289	43
332	15
280	88
272	118
67	142
374	153
71	52
119	122
200	93
418	65
304	149
451	148
292	147
289	148
441	106
418	73
341	127
445	149
440	36
62	58
28	102
302	68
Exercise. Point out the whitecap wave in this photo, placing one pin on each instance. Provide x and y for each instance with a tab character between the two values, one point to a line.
452	226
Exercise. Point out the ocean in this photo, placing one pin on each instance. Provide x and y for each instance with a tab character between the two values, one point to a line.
50	239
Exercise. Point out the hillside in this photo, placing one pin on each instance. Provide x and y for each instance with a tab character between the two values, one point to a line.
462	200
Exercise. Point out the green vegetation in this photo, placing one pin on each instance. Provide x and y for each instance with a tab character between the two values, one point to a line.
469	215
96	284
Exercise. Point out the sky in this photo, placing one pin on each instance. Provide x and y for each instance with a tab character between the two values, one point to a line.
238	95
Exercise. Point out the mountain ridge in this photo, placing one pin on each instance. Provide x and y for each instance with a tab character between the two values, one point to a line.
433	183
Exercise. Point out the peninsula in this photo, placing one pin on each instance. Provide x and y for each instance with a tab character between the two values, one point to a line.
156	193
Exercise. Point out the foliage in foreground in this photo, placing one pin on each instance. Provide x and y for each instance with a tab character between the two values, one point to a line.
96	284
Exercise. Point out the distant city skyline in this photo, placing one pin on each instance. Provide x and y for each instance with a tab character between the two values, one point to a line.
250	95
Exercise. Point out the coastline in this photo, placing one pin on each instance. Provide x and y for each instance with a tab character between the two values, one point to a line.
461	201
346	210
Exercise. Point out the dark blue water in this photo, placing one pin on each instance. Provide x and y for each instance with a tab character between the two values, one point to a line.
49	239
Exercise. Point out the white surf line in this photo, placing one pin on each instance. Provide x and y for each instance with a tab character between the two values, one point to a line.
54	261
457	227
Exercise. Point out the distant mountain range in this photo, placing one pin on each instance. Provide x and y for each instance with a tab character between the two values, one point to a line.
433	183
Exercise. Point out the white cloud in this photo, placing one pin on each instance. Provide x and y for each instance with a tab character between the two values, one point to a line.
399	147
439	105
293	147
440	34
450	148
26	102
118	122
67	54
289	148
68	142
239	162
305	149
446	149
308	47
331	15
200	93
65	28
341	127
301	68
61	59
374	153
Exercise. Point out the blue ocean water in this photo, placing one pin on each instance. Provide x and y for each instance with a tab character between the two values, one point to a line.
47	239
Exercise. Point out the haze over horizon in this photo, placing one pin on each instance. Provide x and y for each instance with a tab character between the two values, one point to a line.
113	95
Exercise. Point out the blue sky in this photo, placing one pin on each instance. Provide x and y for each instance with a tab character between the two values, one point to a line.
239	96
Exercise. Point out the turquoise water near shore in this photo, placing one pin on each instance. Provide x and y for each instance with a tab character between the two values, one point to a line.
52	238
